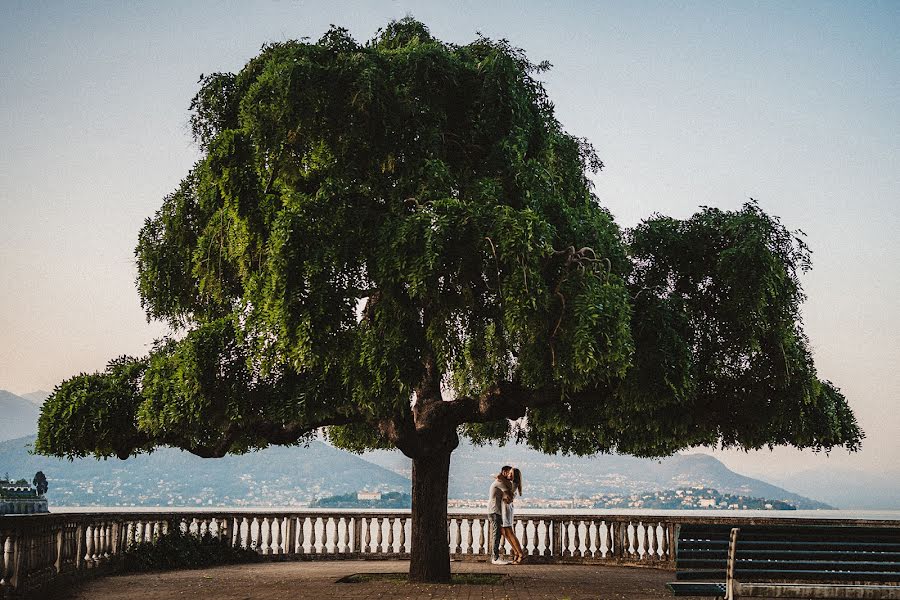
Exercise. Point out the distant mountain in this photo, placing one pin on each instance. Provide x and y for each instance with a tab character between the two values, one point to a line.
18	416
276	476
555	476
37	398
848	488
297	476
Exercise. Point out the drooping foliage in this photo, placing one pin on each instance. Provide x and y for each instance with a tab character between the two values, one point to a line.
406	218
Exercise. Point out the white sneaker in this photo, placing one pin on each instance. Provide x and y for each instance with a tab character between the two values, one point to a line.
499	561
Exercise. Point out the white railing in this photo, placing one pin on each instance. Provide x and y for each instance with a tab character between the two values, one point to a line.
37	551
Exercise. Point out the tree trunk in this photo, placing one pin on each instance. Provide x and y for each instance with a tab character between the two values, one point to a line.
430	556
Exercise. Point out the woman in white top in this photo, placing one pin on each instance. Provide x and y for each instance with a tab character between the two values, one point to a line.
507	530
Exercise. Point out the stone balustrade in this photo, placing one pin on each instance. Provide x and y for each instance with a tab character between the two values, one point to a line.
37	551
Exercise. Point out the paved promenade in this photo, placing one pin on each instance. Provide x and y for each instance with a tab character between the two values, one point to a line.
318	580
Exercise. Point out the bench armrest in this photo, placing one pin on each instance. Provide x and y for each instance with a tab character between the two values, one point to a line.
732	557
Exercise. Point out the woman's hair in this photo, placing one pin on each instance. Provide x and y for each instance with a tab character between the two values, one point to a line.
517	481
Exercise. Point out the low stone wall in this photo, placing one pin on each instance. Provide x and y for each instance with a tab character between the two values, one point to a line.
23	506
38	551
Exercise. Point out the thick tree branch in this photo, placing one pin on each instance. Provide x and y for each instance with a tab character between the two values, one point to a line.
274	433
506	400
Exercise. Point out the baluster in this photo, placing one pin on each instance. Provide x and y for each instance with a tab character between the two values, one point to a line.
402	541
590	536
242	533
356	540
312	535
465	536
379	535
530	537
225	530
301	531
564	539
6	560
606	540
89	545
335	526
97	551
390	538
477	536
366	546
277	535
671	536
265	534
659	533
480	535
107	540
576	551
342	526
633	544
290	535
58	550
330	534
453	542
643	551
254	533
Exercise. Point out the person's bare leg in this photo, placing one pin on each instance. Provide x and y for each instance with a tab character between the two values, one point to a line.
517	546
510	535
506	536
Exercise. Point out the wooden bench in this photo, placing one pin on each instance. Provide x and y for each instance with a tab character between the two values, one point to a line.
788	561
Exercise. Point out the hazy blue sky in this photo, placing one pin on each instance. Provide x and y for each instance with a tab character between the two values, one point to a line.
688	104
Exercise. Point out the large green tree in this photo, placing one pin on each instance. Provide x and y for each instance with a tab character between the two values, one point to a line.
397	242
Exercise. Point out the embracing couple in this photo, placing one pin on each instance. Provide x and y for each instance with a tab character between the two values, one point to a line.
500	511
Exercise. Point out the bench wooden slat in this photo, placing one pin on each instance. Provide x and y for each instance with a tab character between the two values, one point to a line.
818	566
794	565
716	590
800	590
846	556
810	574
824	544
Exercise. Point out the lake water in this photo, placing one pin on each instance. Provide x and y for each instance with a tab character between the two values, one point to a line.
879	515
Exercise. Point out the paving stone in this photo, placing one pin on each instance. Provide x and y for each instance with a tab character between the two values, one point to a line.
318	580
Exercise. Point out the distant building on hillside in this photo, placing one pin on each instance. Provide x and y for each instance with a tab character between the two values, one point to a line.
20	498
368	495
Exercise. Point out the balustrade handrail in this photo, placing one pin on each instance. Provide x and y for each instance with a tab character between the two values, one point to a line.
39	549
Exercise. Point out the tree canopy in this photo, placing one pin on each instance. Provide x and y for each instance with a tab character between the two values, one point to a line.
406	219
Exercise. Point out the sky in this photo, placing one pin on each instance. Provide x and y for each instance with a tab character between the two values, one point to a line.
689	104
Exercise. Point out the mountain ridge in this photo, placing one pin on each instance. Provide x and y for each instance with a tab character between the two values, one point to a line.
297	476
19	416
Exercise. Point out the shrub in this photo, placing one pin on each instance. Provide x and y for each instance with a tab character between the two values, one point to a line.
180	550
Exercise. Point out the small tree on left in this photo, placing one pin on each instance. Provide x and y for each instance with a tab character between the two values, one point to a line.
40	483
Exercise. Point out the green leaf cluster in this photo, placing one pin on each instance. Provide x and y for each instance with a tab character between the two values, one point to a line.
367	214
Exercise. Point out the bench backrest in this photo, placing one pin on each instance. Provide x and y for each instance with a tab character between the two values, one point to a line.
791	553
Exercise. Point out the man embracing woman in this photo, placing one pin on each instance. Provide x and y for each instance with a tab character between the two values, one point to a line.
500	511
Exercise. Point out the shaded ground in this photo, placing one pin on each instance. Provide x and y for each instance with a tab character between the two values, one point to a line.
317	579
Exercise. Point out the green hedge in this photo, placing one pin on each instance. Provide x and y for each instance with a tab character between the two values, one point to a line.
179	550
